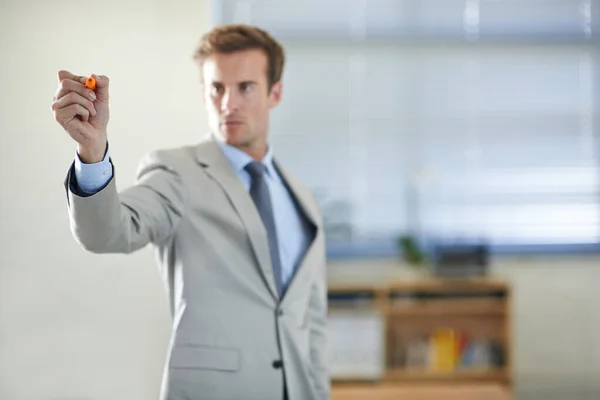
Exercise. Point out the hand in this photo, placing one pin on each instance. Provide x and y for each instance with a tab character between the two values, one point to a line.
83	113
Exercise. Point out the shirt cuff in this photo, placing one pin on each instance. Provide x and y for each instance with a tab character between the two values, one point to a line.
93	177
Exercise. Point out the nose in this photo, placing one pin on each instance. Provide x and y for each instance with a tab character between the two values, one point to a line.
230	101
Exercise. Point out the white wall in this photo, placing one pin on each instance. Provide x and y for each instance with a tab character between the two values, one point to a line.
75	325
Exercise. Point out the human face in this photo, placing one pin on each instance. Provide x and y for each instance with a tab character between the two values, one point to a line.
237	99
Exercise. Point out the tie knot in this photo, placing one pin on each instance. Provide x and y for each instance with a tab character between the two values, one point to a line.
256	169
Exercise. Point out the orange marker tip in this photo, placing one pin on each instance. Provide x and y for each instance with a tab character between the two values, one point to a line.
90	83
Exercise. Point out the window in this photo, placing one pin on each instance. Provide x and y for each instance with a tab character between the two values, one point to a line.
450	120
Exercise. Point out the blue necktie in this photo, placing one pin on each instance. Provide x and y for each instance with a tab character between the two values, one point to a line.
259	191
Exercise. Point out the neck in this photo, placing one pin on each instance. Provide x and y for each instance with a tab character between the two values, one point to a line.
256	153
257	149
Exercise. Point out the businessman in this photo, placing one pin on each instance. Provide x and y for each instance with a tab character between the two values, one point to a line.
238	239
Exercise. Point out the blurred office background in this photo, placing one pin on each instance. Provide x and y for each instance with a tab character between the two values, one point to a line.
452	121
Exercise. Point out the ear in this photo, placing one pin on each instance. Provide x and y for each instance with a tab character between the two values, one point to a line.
275	94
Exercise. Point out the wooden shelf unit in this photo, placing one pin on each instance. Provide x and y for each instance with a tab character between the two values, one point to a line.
478	308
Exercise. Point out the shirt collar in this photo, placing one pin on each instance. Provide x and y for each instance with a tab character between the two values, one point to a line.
239	159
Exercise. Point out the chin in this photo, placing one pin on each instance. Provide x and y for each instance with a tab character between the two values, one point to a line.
235	137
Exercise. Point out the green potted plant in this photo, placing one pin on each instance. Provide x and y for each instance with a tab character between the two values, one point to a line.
410	250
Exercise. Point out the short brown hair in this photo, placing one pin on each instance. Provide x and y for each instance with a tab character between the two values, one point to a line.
239	37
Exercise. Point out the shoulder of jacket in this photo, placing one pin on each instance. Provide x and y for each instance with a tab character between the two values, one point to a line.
171	159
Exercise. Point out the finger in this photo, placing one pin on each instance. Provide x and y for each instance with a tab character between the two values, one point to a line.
65	115
67	86
66	75
102	83
74	98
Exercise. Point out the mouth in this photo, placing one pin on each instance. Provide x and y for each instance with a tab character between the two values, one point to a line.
232	123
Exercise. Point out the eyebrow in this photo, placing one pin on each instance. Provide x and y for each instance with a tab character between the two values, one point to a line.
216	83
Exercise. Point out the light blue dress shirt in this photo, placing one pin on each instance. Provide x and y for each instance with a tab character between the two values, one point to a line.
293	233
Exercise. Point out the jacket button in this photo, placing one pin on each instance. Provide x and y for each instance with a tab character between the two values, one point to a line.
277	364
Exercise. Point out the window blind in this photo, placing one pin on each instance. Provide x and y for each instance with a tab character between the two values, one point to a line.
446	119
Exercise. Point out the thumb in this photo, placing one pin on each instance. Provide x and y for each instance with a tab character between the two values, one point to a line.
102	82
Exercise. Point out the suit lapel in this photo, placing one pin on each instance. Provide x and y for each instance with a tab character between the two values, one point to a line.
299	194
305	206
218	168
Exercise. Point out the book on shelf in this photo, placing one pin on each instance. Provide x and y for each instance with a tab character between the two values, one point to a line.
449	350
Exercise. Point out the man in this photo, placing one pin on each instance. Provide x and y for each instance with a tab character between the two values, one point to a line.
238	239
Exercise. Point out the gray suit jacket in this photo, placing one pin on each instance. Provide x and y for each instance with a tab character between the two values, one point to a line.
233	337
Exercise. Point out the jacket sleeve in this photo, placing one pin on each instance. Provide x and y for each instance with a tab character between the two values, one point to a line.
123	222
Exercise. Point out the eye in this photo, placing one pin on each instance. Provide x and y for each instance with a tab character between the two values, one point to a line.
216	90
246	87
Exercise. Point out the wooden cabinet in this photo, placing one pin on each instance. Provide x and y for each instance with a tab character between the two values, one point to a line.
441	339
395	391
